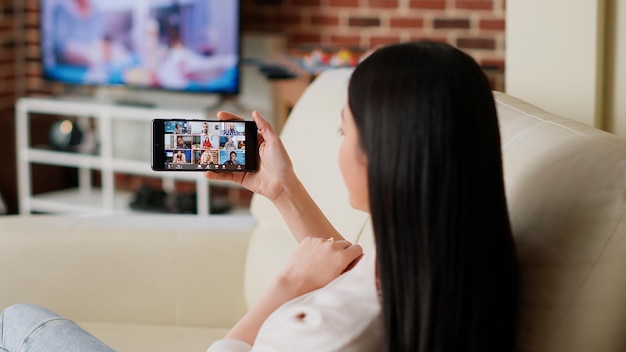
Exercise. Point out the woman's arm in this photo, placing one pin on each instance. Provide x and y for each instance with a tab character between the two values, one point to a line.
302	214
276	180
314	264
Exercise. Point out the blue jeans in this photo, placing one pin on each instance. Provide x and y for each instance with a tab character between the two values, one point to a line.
27	328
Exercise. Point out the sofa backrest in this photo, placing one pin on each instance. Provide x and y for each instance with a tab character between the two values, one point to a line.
566	190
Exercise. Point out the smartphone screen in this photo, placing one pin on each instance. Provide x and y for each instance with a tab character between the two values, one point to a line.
203	145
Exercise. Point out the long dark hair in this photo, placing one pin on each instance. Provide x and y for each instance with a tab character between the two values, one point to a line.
446	259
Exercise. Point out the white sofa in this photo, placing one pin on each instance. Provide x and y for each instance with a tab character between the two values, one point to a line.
175	283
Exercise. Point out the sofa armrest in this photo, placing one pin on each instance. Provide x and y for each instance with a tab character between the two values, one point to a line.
152	269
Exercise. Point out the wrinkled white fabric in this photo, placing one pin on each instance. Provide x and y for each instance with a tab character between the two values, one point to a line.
345	315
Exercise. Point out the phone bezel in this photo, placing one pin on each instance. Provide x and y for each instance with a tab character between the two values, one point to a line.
157	148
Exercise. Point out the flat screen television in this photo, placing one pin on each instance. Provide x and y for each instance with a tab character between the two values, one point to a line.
173	45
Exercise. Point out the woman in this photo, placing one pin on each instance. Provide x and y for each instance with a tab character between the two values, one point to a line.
207	143
421	153
207	158
179	158
178	128
180	143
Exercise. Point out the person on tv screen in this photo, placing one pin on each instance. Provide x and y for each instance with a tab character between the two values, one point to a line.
184	67
83	43
78	33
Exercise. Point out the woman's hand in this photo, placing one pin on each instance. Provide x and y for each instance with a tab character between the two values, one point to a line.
276	180
316	262
275	167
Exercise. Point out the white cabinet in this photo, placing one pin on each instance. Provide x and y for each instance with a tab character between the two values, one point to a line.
123	136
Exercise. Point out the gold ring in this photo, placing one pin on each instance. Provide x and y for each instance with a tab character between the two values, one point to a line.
331	239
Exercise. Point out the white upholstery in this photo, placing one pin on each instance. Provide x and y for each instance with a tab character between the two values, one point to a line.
142	283
566	187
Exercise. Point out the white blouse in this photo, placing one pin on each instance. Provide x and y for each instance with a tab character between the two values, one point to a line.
344	315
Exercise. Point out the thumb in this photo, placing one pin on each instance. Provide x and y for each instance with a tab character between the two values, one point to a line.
265	128
228	116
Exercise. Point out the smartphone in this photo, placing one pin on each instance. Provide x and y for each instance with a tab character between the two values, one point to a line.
204	145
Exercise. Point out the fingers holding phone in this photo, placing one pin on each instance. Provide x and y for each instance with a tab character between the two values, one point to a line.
274	168
230	148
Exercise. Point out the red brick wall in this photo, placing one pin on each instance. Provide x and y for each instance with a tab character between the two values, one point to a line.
31	69
476	26
8	76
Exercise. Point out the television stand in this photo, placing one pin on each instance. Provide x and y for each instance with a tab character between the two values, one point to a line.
158	99
124	148
136	104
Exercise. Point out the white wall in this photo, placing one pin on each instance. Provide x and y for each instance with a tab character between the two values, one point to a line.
617	76
553	55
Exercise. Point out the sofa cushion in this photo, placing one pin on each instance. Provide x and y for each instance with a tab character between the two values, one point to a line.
128	269
154	338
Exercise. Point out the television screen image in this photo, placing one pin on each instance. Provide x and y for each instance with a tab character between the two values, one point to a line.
181	45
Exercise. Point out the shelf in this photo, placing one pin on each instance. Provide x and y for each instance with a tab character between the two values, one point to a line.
112	157
135	167
101	109
69	159
75	201
143	168
76	160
